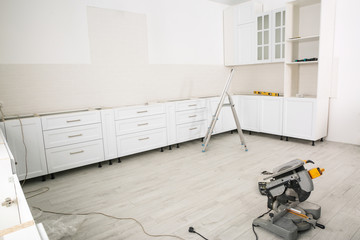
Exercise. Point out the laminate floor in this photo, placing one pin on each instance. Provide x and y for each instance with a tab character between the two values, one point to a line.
215	192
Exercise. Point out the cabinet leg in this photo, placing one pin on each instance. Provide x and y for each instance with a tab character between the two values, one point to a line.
249	132
161	149
110	162
52	176
313	143
99	165
177	145
281	138
169	147
321	140
119	160
287	139
231	132
43	178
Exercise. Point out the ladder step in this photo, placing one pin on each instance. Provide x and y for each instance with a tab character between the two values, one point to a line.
227	105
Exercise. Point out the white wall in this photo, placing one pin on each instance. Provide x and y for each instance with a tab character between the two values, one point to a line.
43	31
179	32
344	119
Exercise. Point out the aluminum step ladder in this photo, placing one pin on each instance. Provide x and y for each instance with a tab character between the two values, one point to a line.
217	113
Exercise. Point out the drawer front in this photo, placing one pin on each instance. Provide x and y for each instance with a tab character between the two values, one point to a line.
138	111
67	136
139	142
190	116
70	120
190	131
76	155
190	104
134	125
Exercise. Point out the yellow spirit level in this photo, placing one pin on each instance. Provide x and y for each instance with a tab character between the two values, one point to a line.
267	93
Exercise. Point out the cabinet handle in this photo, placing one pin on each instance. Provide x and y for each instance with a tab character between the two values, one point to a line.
141	139
192	105
76	120
142	124
77	135
192	116
81	151
142	111
193	128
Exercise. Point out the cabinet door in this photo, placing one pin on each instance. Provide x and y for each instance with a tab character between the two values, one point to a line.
278	35
299	118
271	115
36	161
244	44
2	127
263	41
171	122
249	112
109	134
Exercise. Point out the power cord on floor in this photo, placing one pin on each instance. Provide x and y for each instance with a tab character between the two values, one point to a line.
192	230
253	226
110	216
44	190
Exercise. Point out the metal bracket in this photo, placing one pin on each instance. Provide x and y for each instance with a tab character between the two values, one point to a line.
8	202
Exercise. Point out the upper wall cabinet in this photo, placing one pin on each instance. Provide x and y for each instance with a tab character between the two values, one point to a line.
263	38
239	34
278	35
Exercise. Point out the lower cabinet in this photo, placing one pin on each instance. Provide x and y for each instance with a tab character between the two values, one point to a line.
300	118
249	112
271	115
141	141
30	158
189	131
109	134
75	155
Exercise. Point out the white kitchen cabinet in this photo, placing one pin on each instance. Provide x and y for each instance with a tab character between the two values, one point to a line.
239	35
73	140
226	121
299	118
263	38
271	115
278	35
35	162
250	112
171	122
190	131
141	141
109	134
74	155
140	128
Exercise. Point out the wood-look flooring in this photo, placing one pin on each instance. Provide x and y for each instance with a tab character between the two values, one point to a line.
215	192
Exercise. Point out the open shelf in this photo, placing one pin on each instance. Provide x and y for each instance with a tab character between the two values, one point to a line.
306	38
300	63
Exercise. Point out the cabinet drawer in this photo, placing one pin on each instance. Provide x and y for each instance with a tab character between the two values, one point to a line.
143	141
190	131
67	136
134	125
190	104
70	120
190	116
76	155
138	111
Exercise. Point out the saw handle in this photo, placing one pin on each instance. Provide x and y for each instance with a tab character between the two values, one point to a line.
320	225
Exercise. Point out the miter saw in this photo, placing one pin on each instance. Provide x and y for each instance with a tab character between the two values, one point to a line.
287	188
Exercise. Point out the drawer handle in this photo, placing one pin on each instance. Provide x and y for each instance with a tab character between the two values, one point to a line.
145	111
77	135
141	139
192	105
72	153
192	116
142	124
193	128
76	120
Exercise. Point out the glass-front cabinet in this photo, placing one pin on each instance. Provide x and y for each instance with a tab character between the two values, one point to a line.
263	40
278	50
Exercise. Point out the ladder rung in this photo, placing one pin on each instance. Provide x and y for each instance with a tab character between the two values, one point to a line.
227	105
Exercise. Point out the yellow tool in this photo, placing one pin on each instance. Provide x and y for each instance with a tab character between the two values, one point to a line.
316	172
267	93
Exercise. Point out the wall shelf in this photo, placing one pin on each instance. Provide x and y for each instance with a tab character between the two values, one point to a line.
306	38
301	63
